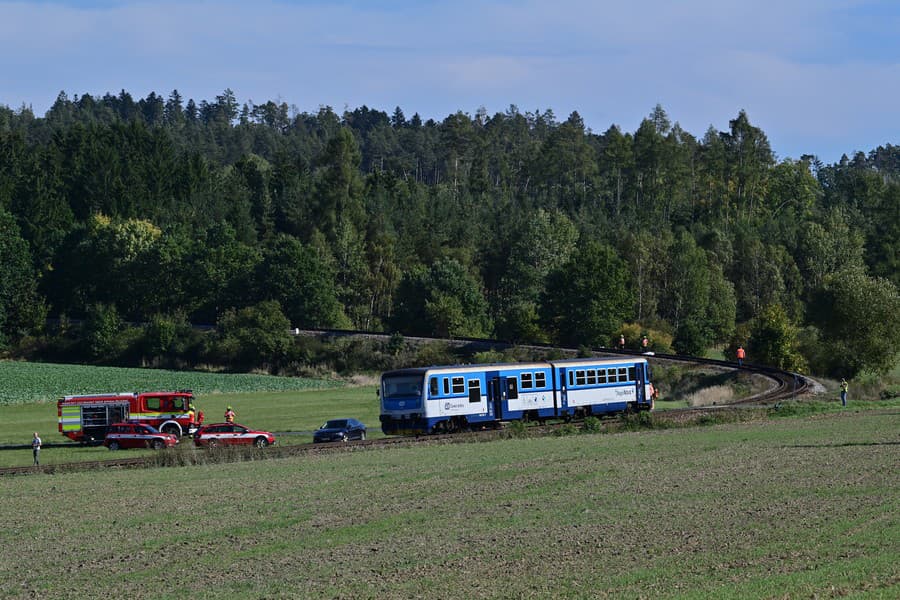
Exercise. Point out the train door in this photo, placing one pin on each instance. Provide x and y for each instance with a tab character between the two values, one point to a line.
495	396
640	379
560	387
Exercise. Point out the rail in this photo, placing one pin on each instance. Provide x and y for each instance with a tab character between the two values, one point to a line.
785	384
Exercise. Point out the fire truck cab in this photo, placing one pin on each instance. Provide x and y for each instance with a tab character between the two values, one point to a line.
86	418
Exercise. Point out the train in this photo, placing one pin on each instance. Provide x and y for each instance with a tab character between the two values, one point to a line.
447	399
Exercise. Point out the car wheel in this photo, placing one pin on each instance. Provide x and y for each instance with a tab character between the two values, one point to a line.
344	437
114	445
261	442
213	443
157	444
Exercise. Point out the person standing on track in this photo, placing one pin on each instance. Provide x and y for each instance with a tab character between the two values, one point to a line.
621	342
741	355
844	387
36	448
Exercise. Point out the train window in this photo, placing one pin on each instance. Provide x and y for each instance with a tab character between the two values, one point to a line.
526	381
474	390
631	374
601	376
579	377
459	385
446	386
540	379
571	378
433	386
611	375
591	377
512	392
623	374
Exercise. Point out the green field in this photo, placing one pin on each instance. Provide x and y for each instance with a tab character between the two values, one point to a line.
299	411
792	508
264	402
24	382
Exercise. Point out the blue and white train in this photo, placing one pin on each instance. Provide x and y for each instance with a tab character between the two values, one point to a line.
455	398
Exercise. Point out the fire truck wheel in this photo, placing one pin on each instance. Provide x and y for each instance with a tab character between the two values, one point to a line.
114	445
261	442
173	429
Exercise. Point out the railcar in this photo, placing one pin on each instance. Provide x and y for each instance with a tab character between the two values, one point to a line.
443	399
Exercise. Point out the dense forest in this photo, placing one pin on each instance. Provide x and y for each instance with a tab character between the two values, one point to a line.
516	226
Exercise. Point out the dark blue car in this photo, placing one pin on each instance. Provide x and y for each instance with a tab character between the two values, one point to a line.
340	430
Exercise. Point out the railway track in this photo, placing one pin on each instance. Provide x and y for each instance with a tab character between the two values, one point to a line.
785	385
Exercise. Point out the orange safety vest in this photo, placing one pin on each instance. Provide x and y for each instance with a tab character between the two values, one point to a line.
740	353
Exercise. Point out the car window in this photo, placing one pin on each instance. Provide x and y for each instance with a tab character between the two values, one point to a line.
335	424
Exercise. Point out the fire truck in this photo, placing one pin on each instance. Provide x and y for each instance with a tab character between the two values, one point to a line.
85	418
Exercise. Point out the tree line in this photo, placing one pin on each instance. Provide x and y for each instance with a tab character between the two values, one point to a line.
517	226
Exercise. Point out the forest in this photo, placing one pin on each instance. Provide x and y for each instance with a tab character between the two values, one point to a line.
128	226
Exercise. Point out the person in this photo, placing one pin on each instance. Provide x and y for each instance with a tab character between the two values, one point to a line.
36	448
191	414
844	387
622	342
741	355
645	344
229	415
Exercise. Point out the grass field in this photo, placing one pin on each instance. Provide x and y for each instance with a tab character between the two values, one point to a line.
792	508
264	402
301	411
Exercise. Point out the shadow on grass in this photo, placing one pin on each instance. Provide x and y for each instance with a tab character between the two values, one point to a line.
842	445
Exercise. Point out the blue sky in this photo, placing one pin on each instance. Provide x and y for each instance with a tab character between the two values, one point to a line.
818	76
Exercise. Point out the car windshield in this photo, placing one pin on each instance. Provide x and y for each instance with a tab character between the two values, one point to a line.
150	429
335	424
407	385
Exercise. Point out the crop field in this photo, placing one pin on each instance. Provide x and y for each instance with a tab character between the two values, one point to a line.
792	508
23	382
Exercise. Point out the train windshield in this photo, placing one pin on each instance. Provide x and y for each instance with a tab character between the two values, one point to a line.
402	386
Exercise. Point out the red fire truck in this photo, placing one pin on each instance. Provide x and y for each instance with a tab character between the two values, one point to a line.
85	418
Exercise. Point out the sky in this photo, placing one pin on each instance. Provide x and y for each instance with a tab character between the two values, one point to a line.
818	77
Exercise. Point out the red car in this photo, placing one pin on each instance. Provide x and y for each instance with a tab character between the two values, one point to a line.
135	435
232	434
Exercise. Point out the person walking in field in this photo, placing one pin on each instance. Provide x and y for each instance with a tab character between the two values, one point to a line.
229	415
36	448
844	387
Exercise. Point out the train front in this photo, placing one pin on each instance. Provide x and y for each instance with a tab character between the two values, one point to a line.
403	402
